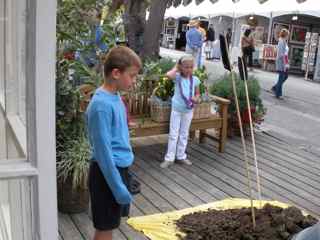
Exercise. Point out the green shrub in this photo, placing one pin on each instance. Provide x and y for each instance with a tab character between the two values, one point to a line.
223	88
156	68
164	88
202	74
73	159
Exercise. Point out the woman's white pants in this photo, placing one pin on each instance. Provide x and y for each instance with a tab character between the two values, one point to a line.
178	135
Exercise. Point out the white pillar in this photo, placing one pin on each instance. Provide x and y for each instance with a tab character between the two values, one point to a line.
270	28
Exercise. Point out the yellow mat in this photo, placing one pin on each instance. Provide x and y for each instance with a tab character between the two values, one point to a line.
162	227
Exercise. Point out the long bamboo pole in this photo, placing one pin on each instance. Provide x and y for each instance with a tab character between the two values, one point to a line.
252	132
228	66
245	153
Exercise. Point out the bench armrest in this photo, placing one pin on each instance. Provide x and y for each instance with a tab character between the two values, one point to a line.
220	100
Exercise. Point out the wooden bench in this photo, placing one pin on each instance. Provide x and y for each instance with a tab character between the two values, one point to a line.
139	110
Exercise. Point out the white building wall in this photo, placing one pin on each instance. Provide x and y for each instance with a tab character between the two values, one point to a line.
221	25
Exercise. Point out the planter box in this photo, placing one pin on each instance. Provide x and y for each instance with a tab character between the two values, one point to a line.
160	112
202	110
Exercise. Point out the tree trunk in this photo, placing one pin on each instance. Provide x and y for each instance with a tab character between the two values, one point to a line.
134	20
151	44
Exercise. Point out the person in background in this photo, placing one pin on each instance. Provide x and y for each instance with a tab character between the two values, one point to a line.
247	47
99	35
186	95
194	40
229	36
204	39
282	62
210	41
93	57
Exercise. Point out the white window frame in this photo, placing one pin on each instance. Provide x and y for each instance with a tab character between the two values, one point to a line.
40	122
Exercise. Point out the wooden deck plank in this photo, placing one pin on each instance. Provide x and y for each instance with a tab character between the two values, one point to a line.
172	198
271	187
288	181
296	165
144	205
67	228
214	193
84	224
153	196
191	199
134	210
183	181
238	173
302	165
274	165
223	182
289	151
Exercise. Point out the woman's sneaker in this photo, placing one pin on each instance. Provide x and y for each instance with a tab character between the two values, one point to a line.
166	164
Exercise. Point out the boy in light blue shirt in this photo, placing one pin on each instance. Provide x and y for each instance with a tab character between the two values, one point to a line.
109	138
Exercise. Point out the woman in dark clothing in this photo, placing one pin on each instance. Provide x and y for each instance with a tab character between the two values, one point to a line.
210	40
247	46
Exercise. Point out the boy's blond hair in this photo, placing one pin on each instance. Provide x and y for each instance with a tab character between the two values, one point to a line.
121	58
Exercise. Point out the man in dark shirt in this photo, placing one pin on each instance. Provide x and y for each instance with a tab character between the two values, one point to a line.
210	40
229	36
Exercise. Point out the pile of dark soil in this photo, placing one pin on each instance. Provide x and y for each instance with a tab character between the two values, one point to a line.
273	223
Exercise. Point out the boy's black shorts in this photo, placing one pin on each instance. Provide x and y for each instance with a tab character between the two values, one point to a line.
106	212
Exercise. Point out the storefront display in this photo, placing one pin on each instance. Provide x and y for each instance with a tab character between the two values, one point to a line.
298	34
269	54
296	56
277	27
309	54
317	69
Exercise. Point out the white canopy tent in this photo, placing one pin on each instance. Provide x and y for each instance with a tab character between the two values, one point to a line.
245	7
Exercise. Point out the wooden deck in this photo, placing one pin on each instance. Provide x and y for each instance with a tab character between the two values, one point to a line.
287	174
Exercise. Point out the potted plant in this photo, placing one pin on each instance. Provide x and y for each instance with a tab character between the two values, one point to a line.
72	171
223	88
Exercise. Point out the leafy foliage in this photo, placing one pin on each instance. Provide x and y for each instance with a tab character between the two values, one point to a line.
164	89
76	22
156	70
202	74
74	160
162	66
223	88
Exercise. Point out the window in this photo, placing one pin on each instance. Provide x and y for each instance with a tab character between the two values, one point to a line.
27	138
15	209
2	56
13	22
